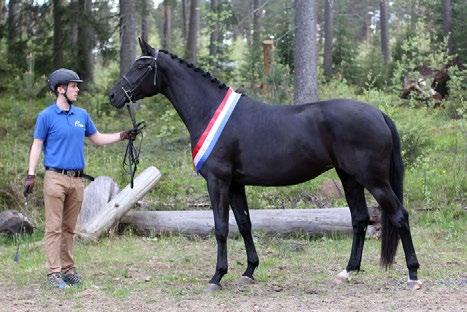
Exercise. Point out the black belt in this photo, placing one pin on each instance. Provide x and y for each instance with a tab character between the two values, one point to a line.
71	173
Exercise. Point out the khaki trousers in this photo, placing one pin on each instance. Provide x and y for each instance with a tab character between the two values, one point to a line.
63	196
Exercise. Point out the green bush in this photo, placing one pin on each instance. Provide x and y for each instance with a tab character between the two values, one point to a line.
415	145
455	103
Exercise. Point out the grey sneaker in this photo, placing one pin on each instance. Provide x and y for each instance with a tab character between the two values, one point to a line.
55	280
71	278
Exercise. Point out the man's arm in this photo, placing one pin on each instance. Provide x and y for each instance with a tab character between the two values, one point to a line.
34	155
105	138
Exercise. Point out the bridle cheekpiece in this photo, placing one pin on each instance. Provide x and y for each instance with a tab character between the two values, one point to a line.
131	88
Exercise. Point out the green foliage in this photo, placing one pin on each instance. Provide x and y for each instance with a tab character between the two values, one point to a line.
284	37
27	86
219	63
167	123
418	48
415	145
280	82
455	103
343	56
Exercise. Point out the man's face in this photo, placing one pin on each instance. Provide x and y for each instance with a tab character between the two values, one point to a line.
72	91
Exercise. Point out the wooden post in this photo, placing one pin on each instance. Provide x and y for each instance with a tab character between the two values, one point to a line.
120	204
267	56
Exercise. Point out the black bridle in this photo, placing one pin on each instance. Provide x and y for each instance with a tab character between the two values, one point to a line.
131	158
129	92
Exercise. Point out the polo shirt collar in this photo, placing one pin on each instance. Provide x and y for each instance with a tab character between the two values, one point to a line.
58	110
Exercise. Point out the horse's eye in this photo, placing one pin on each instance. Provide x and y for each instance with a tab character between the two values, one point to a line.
140	66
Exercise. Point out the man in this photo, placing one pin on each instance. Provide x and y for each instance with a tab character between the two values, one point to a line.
60	131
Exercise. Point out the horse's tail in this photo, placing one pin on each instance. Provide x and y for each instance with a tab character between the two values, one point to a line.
390	234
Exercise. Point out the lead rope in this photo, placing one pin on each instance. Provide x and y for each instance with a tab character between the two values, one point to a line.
19	236
131	158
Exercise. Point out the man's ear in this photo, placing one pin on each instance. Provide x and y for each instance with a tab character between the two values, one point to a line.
61	89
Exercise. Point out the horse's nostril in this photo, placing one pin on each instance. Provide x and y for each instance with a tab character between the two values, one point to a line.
111	96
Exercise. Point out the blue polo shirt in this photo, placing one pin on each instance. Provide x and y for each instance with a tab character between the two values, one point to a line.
63	136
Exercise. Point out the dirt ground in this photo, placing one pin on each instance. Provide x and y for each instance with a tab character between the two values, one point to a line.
353	296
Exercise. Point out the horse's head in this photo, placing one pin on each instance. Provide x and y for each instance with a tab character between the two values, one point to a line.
140	81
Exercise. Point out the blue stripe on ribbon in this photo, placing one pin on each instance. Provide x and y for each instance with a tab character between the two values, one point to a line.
217	134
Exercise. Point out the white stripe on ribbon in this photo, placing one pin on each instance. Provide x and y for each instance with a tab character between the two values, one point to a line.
214	129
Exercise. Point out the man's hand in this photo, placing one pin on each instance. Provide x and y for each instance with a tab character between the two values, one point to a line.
132	133
129	134
28	184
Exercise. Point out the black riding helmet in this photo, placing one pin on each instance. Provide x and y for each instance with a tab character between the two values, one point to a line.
62	76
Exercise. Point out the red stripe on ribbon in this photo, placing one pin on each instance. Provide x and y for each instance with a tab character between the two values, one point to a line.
211	123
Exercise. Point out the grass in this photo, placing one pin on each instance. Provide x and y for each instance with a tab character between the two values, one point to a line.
179	267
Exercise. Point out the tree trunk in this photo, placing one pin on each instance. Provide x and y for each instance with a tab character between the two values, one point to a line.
127	35
384	9
85	60
144	20
328	36
213	42
256	23
271	221
447	23
2	8
191	46
111	214
58	34
184	21
12	31
167	36
72	39
305	54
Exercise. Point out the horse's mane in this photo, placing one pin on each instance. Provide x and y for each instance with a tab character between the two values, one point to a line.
203	73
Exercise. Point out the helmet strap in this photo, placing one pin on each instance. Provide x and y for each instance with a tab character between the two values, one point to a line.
66	96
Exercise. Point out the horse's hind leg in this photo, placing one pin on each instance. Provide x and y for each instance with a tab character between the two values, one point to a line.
397	223
240	209
355	197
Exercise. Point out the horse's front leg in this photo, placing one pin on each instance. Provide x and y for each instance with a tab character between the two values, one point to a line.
219	193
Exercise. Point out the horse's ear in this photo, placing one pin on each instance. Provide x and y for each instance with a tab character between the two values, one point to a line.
146	49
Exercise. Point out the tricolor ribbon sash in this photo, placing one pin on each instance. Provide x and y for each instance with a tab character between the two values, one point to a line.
211	134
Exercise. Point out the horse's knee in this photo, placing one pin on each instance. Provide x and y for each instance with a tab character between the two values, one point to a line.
221	233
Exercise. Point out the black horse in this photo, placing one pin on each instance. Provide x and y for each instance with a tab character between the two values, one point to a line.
274	145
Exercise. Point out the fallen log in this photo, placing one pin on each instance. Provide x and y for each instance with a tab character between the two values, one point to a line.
272	221
111	213
96	195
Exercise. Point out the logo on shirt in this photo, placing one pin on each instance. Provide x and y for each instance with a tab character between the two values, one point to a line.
79	124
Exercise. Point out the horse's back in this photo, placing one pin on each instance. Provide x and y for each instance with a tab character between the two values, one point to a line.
288	144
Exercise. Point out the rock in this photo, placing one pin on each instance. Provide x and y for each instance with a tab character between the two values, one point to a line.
11	221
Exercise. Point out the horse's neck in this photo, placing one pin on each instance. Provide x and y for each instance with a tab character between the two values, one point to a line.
194	97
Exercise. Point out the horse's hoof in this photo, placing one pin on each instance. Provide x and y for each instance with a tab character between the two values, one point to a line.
245	280
343	276
414	284
213	288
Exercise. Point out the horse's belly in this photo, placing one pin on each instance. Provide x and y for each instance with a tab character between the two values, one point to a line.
279	174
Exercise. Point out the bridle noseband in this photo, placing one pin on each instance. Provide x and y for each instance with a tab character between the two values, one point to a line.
132	87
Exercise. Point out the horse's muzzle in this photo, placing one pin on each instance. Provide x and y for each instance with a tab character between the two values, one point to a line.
116	99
